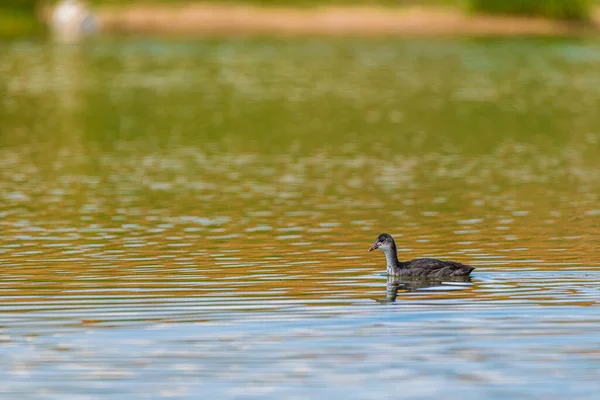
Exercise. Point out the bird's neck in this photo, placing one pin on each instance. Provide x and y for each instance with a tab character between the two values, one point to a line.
391	256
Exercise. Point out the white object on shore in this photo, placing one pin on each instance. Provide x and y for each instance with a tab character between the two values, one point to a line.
72	20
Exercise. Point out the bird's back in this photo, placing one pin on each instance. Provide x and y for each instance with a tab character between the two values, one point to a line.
430	267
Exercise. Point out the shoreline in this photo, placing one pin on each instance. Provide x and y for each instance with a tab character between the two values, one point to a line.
233	19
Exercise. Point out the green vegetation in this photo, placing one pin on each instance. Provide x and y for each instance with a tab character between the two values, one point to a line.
19	18
556	9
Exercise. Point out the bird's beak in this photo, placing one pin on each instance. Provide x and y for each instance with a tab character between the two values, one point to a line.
373	247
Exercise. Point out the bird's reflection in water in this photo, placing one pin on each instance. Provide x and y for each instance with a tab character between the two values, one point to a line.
402	284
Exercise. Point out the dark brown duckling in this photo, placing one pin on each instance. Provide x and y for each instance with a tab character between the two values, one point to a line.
421	267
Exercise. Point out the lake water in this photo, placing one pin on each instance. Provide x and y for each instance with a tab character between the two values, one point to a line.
190	219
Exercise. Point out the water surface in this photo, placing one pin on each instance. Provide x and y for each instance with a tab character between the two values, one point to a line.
191	218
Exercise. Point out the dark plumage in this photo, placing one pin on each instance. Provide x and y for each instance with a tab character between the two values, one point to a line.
422	267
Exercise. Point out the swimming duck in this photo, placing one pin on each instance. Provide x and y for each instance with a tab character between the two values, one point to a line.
421	267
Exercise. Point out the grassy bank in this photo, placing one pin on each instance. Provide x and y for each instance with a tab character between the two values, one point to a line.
19	18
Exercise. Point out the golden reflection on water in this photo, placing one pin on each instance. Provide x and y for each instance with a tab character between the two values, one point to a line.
252	234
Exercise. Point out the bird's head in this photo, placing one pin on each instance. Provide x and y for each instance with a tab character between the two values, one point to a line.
383	242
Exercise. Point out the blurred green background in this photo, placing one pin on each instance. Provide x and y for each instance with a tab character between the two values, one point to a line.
19	18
